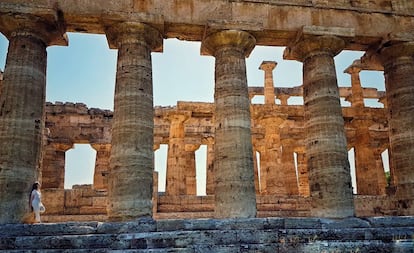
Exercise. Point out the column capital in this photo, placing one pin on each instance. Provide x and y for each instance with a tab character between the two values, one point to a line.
388	53
127	32
101	146
268	66
234	38
49	28
354	68
317	39
178	116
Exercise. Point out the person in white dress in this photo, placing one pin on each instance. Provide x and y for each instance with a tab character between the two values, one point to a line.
36	201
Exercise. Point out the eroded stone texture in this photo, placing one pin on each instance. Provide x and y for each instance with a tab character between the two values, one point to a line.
233	162
100	179
398	64
130	177
176	161
22	100
326	153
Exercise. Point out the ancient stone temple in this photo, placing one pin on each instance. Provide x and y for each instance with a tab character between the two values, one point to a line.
266	163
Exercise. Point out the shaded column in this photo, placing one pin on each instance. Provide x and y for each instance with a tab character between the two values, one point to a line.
326	151
190	169
303	175
288	168
100	176
398	62
130	182
210	167
233	165
22	102
269	88
53	167
382	180
176	157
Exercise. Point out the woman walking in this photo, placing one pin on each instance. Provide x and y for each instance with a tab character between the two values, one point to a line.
36	201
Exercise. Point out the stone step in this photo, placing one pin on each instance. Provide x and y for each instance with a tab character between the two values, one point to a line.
387	234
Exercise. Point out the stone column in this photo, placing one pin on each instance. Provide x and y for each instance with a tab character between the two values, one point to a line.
398	62
233	166
269	88
357	99
190	169
210	167
100	177
303	175
53	169
288	168
382	180
366	170
326	149
176	157
130	182
22	108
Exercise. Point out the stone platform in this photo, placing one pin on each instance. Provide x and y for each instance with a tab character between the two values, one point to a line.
382	234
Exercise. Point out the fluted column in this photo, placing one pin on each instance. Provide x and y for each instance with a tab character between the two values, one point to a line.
176	157
288	168
233	166
130	182
22	102
269	88
326	151
53	166
100	176
398	62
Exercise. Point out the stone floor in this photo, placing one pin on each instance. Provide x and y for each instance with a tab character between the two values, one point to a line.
381	234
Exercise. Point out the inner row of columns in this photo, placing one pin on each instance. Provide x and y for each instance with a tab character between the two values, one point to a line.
130	176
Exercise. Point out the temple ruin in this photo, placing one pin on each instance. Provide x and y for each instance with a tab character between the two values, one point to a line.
34	135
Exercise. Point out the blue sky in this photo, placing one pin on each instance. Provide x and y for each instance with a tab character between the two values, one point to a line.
85	72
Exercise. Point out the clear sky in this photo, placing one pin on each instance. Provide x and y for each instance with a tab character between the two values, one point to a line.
85	72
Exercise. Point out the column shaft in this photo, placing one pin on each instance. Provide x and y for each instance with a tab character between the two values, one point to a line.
233	166
399	80
22	102
130	183
100	176
326	151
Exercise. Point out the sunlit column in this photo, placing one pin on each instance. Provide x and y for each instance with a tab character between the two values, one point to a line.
326	148
398	62
100	176
176	157
130	182
269	88
357	90
233	165
288	168
22	107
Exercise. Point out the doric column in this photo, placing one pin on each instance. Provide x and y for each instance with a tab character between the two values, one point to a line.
366	170
326	150
233	165
53	166
288	168
357	99
100	176
130	182
190	169
303	175
176	157
269	88
210	167
283	98
22	102
382	180
398	62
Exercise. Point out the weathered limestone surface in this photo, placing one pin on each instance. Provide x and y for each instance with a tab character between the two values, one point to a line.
326	153
390	234
233	162
131	164
398	64
22	99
